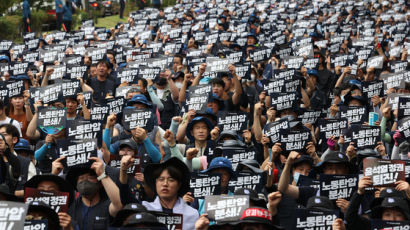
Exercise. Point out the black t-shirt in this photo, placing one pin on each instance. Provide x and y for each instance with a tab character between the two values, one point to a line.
101	88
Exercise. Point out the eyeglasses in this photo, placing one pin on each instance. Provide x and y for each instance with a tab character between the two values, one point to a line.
163	179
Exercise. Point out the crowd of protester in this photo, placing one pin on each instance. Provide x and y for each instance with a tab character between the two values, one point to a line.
309	95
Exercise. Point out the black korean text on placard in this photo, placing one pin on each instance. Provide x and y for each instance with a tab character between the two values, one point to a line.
384	172
203	184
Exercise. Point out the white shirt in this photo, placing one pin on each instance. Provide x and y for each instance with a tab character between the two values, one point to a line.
15	123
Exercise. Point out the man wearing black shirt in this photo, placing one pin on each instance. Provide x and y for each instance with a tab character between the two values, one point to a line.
102	85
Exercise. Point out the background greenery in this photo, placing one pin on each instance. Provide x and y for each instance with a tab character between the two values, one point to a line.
11	23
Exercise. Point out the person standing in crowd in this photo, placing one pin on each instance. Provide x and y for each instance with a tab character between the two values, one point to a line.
122	8
59	13
156	3
67	15
26	16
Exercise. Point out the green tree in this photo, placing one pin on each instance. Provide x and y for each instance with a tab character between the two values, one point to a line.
6	4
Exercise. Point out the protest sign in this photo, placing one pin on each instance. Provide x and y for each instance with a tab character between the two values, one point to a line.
310	116
308	181
291	140
77	151
216	64
115	162
99	112
149	73
235	154
314	219
331	127
15	88
365	136
12	215
205	184
75	71
272	129
197	102
354	114
58	201
393	99
384	172
373	88
200	89
261	53
389	225
142	118
252	180
404	127
59	71
51	121
403	107
84	129
293	62
238	121
398	66
173	221
338	186
226	208
128	75
115	105
36	224
282	101
375	62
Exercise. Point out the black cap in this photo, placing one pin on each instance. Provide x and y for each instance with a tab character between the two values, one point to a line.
253	196
143	218
319	203
392	202
124	213
128	142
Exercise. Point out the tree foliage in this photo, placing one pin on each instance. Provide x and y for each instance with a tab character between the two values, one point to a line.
6	4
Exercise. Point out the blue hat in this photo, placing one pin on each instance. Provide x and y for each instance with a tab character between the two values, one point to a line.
252	35
220	162
213	97
20	77
23	144
139	98
4	58
313	72
193	122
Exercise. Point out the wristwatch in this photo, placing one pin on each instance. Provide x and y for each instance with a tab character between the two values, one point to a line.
102	176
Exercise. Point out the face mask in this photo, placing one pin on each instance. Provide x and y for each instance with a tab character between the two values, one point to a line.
296	177
342	97
160	92
253	76
178	85
289	117
87	188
